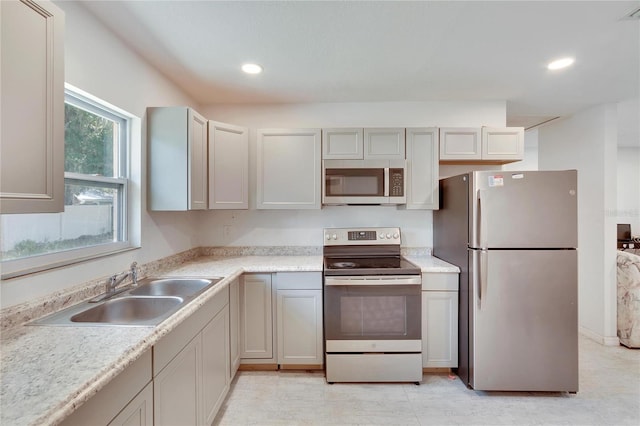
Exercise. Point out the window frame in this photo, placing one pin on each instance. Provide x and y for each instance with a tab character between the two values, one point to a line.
38	263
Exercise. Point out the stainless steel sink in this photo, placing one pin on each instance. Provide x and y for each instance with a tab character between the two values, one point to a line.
128	310
149	303
173	287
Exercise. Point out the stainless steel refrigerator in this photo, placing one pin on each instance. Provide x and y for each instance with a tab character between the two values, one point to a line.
514	236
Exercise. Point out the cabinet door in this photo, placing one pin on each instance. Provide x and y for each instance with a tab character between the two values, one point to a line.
116	396
384	144
440	329
342	144
228	166
503	143
422	168
234	327
460	143
177	153
197	161
176	389
139	412
32	110
256	318
299	317
289	169
215	364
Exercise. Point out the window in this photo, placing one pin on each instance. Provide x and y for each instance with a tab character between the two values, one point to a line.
95	217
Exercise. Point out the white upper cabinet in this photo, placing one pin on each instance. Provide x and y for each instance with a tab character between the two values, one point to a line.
503	143
367	144
342	144
384	144
289	169
491	145
32	130
228	166
422	168
462	143
177	159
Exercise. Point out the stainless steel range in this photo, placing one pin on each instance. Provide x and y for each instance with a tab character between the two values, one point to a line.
372	307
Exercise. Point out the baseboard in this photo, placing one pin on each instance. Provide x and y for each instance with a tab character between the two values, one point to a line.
301	367
258	367
605	341
436	370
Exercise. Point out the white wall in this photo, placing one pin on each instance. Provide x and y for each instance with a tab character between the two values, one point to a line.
587	142
100	64
530	161
304	228
628	181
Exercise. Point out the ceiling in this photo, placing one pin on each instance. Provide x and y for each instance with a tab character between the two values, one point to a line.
325	51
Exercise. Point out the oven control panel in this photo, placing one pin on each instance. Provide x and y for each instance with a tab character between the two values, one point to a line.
361	236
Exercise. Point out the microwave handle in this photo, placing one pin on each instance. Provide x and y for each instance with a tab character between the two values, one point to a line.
386	181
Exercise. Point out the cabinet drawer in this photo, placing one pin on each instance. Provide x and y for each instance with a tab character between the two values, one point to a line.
169	346
299	281
439	281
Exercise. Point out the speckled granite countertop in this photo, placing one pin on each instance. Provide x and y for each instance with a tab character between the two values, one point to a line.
48	371
432	264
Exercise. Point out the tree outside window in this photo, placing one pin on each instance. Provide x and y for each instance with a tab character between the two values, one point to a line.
95	188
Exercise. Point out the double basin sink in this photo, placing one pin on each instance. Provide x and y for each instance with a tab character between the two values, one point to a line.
149	303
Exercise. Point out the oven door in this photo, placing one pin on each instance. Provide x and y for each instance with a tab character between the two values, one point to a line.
372	314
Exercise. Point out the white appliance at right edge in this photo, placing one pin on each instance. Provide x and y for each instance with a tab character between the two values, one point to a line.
514	236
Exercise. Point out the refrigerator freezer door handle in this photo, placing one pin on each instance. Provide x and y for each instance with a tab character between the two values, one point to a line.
482	229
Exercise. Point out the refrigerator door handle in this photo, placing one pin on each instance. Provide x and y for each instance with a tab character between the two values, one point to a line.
482	274
482	218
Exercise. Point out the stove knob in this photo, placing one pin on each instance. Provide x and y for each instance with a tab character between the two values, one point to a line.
389	236
328	237
334	236
396	236
382	236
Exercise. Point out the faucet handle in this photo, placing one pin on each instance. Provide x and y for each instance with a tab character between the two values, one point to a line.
134	273
112	282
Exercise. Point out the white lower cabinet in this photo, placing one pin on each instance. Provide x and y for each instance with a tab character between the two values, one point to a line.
139	412
256	319
126	400
215	364
439	320
299	320
177	388
192	367
234	326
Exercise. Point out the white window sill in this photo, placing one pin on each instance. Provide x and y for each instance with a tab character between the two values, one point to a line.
21	267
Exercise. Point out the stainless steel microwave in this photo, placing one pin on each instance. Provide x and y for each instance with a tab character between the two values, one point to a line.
364	182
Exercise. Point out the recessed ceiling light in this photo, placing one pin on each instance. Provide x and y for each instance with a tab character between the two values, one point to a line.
252	68
560	63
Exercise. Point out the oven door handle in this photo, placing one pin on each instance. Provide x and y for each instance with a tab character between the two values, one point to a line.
369	281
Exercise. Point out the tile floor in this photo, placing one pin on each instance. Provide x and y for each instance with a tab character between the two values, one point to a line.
609	395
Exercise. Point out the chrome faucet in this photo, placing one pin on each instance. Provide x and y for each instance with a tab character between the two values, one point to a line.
114	281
